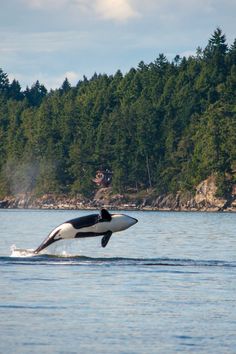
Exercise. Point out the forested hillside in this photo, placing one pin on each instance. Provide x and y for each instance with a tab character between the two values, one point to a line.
165	125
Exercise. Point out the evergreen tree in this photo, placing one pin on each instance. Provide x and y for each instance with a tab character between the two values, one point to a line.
14	91
66	86
164	125
4	83
35	94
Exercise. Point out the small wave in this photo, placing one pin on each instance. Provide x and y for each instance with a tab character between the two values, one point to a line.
27	257
33	307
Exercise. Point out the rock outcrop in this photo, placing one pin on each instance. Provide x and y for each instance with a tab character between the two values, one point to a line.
204	199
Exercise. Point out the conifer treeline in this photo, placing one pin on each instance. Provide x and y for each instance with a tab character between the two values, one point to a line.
165	125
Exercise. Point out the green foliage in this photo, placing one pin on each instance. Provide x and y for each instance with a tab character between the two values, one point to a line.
164	125
4	83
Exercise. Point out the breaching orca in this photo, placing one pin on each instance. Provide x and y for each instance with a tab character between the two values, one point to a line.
103	224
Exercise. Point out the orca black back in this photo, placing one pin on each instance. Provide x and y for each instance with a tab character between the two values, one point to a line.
84	221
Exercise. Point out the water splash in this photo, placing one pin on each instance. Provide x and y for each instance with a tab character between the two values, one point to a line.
21	252
29	252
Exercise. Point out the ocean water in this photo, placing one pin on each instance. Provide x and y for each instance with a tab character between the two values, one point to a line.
166	285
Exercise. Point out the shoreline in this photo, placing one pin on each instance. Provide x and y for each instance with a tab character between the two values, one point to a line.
225	211
130	202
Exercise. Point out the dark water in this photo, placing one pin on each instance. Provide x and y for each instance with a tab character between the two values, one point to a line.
166	285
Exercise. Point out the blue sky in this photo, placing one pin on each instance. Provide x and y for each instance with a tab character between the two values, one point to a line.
49	40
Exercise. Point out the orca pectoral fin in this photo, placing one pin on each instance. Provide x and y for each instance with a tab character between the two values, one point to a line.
106	238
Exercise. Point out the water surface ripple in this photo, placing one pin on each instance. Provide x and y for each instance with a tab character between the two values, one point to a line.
112	262
166	285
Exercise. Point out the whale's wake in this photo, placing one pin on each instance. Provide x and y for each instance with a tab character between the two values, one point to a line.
66	258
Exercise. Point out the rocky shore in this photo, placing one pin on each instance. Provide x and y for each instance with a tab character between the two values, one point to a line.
204	199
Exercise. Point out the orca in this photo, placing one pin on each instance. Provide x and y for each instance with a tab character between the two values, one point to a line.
103	224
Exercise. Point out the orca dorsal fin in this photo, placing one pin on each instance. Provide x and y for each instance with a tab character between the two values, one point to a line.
105	215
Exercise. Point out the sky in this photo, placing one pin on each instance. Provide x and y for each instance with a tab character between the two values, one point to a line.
48	40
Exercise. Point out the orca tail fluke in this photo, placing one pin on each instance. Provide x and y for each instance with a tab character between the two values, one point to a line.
49	240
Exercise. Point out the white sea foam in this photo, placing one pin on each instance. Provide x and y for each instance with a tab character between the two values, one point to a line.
21	252
27	252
